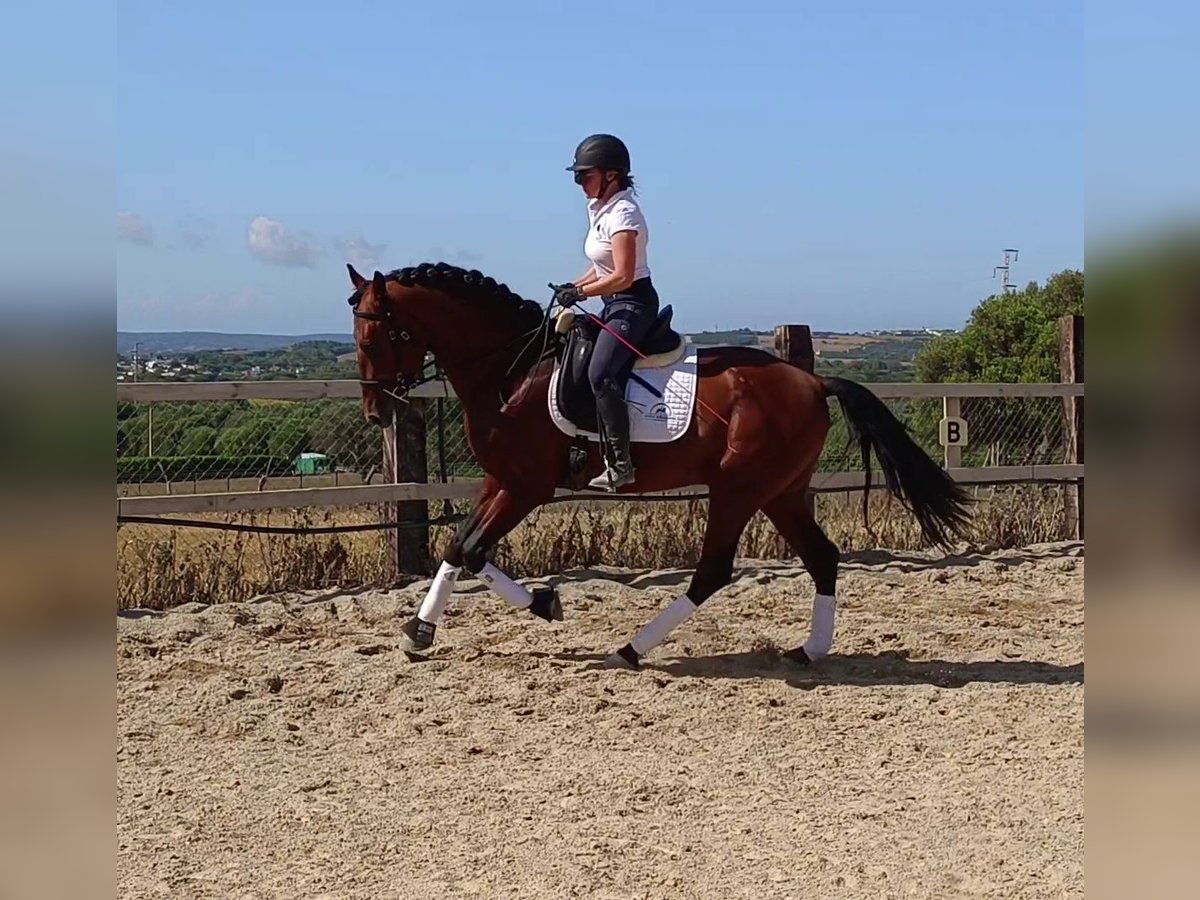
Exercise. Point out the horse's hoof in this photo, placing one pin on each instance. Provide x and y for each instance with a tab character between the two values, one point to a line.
408	645
799	656
547	604
417	636
625	658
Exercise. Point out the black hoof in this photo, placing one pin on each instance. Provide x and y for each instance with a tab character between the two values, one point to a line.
625	658
798	656
418	635
547	604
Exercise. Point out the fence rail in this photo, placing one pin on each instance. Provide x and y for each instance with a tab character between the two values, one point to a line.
301	498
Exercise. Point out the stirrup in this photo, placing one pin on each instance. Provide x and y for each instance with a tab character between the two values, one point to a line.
610	479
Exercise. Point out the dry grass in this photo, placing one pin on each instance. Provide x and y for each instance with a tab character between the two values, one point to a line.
159	567
659	535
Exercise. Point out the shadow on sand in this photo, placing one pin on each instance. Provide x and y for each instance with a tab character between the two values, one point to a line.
857	670
766	571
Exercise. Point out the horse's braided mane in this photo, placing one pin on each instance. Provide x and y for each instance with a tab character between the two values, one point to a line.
470	283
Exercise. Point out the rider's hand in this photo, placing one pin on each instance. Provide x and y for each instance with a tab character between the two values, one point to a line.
566	295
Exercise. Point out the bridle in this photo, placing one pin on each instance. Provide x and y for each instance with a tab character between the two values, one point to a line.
397	387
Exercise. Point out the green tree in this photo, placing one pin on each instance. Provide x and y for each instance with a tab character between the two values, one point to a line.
290	437
1010	337
245	440
340	431
200	440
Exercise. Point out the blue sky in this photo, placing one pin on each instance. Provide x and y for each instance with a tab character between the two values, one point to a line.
850	166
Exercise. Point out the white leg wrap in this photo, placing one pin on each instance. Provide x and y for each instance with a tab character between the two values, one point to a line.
657	629
505	586
820	639
439	593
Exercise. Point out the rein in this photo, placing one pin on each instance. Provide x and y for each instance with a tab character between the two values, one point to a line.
542	327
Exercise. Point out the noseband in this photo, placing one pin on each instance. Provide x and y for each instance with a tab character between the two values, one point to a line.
395	387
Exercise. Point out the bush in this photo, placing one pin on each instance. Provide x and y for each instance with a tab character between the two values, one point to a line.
138	469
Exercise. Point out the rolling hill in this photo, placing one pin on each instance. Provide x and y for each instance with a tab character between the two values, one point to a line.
168	342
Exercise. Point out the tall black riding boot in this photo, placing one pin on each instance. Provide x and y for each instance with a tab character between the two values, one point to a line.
614	423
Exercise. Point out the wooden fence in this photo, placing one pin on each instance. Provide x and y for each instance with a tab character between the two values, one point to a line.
405	470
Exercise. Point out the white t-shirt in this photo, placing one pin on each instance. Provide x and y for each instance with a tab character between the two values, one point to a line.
620	212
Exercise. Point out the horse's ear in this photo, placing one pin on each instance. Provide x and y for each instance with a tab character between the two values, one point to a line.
379	286
355	279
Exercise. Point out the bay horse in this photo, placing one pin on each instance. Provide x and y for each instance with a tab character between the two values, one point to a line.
754	439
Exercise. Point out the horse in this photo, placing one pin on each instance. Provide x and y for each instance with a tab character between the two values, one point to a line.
753	436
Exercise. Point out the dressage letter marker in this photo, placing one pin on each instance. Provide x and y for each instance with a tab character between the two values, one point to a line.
952	432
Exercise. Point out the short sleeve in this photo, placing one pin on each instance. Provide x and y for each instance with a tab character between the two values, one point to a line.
624	217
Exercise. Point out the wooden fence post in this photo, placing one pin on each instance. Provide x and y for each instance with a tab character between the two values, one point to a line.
404	460
1070	363
794	343
388	469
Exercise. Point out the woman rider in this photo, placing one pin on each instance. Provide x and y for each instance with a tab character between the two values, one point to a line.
616	245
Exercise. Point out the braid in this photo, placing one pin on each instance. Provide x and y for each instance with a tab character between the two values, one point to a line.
443	276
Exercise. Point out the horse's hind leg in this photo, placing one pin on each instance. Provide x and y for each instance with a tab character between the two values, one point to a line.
728	515
790	516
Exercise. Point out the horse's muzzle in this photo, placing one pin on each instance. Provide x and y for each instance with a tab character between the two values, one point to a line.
380	410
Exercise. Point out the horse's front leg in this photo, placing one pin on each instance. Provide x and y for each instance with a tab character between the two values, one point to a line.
497	512
419	631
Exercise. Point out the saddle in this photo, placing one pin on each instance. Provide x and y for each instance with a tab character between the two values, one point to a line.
662	346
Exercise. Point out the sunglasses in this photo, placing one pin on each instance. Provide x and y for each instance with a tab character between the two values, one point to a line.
581	176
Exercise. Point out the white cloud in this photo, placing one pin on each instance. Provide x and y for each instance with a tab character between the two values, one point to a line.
271	243
133	228
356	249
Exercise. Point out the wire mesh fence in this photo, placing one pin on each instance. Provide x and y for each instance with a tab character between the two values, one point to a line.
239	445
1017	431
1002	431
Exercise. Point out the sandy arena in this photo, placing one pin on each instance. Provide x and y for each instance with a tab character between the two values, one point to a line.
287	748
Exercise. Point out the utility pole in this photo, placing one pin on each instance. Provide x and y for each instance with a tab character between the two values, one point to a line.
1005	286
150	409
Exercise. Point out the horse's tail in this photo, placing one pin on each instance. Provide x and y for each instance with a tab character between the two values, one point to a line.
924	487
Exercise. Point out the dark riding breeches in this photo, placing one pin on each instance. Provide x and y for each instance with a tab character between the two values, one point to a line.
630	314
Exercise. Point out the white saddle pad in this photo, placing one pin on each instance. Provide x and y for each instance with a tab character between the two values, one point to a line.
652	419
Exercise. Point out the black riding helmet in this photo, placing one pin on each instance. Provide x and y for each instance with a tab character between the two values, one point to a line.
601	151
